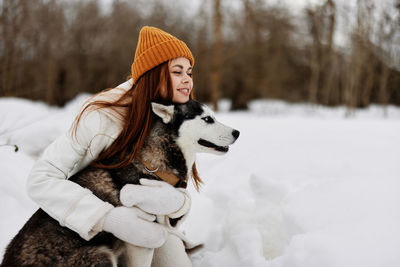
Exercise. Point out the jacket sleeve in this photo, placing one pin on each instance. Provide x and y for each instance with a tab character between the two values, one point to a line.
72	205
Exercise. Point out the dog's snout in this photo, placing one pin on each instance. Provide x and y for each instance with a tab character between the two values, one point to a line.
235	134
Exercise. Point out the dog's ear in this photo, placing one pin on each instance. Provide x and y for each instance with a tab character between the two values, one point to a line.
166	113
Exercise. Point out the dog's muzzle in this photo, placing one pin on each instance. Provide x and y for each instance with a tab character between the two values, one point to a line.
224	149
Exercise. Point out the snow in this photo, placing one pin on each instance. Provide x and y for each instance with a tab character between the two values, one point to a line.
303	186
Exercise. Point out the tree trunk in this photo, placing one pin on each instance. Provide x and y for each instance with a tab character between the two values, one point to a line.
217	55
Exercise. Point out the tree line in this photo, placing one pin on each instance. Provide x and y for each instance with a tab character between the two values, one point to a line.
51	50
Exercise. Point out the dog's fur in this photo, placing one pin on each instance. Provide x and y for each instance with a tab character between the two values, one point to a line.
179	132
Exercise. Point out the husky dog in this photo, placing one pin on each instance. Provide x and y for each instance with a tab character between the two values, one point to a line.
179	131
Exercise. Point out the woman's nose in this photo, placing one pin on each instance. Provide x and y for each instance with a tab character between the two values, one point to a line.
186	78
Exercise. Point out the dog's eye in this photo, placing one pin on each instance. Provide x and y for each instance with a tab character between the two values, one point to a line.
208	119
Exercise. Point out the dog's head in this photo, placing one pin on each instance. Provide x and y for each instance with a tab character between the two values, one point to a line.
196	127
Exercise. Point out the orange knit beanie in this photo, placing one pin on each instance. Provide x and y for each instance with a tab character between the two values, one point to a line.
155	47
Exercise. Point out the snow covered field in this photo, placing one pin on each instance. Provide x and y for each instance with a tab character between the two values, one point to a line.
303	186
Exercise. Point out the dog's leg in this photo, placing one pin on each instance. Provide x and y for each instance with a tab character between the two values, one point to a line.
139	256
91	256
171	254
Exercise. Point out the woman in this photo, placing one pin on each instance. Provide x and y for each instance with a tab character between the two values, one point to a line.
117	121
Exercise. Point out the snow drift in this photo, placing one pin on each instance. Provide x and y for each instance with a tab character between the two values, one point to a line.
303	186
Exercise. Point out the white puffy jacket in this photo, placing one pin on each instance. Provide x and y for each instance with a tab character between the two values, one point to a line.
72	205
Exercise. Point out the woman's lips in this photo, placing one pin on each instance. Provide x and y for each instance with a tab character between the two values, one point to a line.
185	91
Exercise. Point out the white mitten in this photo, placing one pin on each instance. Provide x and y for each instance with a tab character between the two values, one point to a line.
135	226
155	197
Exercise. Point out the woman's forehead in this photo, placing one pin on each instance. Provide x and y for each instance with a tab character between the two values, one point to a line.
180	62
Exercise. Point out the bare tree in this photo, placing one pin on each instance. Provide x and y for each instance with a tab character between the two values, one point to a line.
202	51
322	21
217	54
386	33
12	22
53	49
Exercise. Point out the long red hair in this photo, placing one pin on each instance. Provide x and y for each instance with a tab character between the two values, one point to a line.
138	119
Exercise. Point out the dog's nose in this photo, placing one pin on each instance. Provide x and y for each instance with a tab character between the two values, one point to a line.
235	134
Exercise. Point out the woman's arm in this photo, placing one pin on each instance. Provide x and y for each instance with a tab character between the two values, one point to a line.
72	205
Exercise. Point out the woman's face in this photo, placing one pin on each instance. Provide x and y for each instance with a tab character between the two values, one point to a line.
181	77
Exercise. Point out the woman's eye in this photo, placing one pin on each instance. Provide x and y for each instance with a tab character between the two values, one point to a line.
208	119
190	74
176	72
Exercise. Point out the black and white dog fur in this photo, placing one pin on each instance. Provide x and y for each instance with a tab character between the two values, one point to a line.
179	132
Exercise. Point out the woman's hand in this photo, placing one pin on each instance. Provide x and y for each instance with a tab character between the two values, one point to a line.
135	226
155	197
